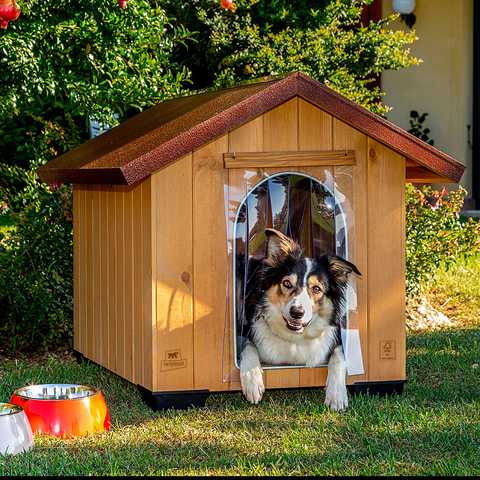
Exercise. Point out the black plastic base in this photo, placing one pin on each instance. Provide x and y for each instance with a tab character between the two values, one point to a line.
394	387
176	400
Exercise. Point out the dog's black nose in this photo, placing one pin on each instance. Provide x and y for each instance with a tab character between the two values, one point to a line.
297	312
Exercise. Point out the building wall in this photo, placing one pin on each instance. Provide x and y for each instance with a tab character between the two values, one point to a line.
442	84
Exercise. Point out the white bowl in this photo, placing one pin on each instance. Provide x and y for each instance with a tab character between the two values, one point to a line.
15	432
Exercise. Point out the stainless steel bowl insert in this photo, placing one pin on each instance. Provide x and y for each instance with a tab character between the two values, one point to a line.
56	391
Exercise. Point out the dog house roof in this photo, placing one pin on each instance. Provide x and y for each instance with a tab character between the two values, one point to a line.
160	135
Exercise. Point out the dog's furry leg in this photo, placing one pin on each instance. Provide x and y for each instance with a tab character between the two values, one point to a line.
251	374
336	396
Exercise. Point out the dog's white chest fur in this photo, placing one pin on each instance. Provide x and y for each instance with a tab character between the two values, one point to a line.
277	347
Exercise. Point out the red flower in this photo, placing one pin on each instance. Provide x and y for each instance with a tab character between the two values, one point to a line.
9	11
228	5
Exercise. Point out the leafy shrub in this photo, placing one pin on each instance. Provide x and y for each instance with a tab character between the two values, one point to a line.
417	128
36	274
436	234
323	38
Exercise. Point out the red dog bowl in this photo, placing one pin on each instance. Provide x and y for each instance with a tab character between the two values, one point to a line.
63	410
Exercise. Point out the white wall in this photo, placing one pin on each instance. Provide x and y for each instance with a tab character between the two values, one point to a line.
442	84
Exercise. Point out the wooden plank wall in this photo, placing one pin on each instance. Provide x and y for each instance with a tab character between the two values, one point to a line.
173	276
113	278
386	264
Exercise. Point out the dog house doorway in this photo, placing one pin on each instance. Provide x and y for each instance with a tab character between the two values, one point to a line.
301	207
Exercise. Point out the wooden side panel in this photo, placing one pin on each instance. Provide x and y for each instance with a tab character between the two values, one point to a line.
172	207
78	203
386	264
209	264
89	283
352	182
95	344
112	235
113	293
138	228
148	286
129	299
120	279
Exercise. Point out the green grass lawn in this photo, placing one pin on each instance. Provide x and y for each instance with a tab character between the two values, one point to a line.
433	428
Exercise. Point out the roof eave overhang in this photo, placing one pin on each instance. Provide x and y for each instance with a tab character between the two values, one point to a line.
251	107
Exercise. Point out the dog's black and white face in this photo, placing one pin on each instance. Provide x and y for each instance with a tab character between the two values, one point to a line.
298	289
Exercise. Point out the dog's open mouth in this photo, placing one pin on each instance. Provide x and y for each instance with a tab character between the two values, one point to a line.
295	327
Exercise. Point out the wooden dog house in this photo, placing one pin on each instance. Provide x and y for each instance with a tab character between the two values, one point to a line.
151	256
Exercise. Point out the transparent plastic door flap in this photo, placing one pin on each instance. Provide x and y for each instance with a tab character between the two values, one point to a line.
310	206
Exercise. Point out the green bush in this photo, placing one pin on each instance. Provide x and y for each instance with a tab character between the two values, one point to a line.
436	234
322	38
36	274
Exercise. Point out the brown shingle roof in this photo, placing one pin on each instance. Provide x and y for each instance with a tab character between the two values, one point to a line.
160	135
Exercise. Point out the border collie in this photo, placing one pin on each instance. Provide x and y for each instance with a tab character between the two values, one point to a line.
294	306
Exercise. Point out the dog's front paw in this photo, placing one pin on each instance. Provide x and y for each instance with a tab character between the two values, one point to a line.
336	397
252	385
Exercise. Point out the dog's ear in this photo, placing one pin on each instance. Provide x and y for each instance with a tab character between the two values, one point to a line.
278	246
340	268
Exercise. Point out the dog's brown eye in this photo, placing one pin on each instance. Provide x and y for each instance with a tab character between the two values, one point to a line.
316	289
287	284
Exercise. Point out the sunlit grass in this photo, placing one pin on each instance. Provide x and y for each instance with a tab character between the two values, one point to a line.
433	428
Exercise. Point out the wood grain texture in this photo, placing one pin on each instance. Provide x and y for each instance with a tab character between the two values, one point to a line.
149	249
352	182
112	224
280	127
120	278
209	265
288	159
77	202
419	174
128	298
89	283
172	193
314	127
113	293
138	311
386	264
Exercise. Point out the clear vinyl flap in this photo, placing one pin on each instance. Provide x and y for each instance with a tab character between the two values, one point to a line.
312	206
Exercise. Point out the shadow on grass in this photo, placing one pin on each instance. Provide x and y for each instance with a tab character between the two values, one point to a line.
441	451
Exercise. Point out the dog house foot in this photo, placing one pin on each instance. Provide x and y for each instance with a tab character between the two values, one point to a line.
394	387
176	400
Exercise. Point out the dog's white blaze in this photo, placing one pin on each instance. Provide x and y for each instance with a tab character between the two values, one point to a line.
301	300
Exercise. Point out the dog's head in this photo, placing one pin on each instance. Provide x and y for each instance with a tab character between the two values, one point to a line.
298	288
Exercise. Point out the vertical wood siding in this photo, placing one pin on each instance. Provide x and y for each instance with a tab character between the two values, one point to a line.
112	278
